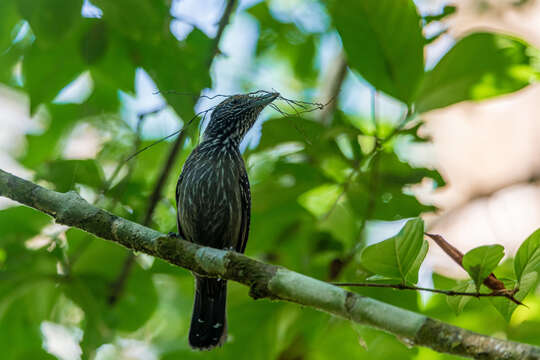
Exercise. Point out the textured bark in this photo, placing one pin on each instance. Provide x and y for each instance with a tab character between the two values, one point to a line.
264	280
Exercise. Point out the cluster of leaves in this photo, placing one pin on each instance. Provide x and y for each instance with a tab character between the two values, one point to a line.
315	186
399	258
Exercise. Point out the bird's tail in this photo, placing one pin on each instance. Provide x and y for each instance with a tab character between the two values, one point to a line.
208	323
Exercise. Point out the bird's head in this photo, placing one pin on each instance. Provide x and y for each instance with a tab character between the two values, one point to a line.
234	116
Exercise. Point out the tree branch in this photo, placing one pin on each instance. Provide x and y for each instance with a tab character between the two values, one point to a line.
264	280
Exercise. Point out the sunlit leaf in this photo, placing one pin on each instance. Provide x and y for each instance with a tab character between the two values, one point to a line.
479	66
321	199
398	256
8	19
527	257
55	65
44	15
481	261
384	43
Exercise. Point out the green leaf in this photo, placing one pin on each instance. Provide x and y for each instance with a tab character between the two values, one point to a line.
55	65
321	199
8	19
359	342
95	330
137	302
47	145
98	268
479	66
101	258
125	16
114	67
173	65
506	307
391	202
527	257
51	20
384	43
20	223
94	42
10	58
65	173
457	303
413	272
21	314
289	129
399	256
481	261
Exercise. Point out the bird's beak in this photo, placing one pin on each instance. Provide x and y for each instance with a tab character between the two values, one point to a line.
263	100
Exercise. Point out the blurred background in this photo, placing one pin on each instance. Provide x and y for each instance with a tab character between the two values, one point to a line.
86	84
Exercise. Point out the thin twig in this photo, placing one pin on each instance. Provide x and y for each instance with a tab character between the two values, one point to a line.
374	111
334	79
491	281
223	22
417	288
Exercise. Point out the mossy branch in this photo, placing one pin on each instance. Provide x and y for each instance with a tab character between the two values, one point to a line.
264	280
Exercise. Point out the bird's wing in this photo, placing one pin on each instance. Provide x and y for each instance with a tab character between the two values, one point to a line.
245	197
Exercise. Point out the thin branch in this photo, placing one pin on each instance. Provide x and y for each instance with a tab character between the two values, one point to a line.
223	22
416	288
265	280
374	111
491	281
117	287
334	79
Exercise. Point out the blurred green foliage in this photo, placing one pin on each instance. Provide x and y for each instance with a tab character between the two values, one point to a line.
315	184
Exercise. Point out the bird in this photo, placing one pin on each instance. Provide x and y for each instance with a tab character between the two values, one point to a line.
214	205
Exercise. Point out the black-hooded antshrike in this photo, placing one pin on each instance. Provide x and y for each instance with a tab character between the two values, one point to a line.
213	203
